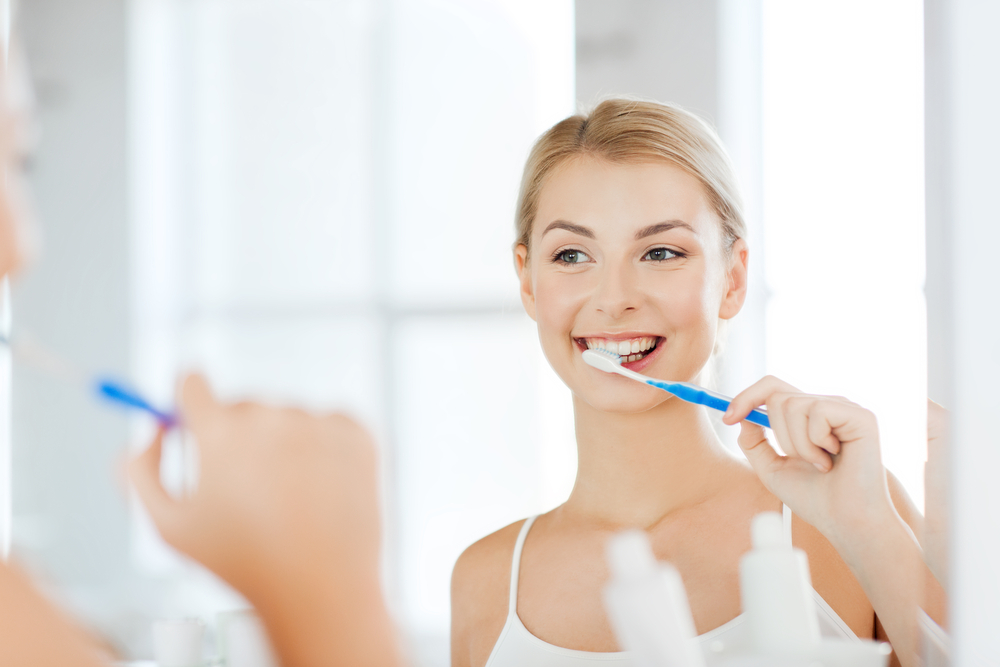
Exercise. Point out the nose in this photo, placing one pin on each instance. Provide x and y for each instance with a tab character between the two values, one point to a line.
617	292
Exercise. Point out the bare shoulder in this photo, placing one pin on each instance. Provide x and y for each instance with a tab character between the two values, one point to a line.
481	565
833	579
480	589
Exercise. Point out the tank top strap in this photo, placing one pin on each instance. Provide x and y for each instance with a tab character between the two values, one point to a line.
515	566
786	521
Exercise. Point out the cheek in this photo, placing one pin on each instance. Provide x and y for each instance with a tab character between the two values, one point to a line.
691	304
10	255
693	318
556	304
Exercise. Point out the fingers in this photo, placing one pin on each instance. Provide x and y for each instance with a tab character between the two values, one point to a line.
762	457
820	430
144	473
755	396
809	433
789	421
197	401
803	425
779	425
938	418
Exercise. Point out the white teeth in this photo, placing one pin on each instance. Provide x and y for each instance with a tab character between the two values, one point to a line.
624	348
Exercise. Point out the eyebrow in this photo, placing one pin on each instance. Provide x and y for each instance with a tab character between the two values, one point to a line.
569	227
662	227
641	234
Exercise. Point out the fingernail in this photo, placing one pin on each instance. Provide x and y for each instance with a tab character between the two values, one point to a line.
820	466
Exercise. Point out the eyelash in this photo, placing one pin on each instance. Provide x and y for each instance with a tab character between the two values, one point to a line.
557	256
675	254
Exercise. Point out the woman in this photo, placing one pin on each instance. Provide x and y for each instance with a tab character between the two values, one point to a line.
631	239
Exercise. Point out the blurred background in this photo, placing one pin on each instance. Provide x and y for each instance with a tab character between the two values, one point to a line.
312	201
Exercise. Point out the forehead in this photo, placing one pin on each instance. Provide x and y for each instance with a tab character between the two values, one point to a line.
604	195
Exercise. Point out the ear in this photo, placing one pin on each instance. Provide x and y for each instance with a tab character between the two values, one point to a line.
736	280
524	277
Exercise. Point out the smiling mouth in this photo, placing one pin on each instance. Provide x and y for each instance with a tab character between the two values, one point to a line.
630	349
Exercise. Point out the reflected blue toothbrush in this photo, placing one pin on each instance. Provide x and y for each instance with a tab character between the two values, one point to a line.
118	392
106	388
692	393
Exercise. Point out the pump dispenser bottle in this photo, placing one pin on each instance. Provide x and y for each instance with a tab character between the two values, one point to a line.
777	590
648	607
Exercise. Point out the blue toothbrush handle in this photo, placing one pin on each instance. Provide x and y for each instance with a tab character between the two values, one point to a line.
119	393
701	396
721	403
759	418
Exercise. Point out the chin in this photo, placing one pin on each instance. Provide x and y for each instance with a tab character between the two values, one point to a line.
620	403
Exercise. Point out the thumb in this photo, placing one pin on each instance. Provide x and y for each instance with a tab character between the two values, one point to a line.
759	452
197	401
144	473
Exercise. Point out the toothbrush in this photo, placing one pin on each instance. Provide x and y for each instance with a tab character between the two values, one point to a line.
106	388
692	393
117	392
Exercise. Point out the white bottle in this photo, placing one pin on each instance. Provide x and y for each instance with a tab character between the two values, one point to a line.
777	591
648	607
178	642
243	641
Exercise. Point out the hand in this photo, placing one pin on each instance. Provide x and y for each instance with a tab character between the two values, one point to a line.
831	474
286	511
273	481
936	472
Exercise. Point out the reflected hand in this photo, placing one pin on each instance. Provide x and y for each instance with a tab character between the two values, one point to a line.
286	511
936	474
831	474
272	480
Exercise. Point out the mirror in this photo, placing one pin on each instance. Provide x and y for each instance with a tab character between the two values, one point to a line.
301	197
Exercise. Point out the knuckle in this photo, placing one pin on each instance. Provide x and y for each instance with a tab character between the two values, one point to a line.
799	401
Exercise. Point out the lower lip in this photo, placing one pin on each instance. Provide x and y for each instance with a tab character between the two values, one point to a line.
643	363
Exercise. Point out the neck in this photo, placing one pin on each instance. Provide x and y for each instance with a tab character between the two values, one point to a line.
635	469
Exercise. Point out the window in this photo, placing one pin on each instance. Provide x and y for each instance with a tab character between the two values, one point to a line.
328	221
843	211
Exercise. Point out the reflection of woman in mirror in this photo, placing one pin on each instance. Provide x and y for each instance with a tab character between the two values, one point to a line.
630	238
286	508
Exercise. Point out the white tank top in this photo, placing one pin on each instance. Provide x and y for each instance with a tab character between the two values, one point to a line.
516	647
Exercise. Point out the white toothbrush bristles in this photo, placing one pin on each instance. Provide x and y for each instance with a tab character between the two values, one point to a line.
603	360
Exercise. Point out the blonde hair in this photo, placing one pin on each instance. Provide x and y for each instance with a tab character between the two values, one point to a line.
629	130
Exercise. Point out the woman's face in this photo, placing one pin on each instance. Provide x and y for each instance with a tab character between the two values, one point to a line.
629	258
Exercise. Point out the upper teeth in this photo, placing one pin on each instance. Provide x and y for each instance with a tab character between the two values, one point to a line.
622	347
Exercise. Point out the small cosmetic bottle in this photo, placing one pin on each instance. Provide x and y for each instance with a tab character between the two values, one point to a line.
178	642
777	591
648	607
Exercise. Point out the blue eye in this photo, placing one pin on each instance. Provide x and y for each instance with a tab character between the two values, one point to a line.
660	255
570	256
